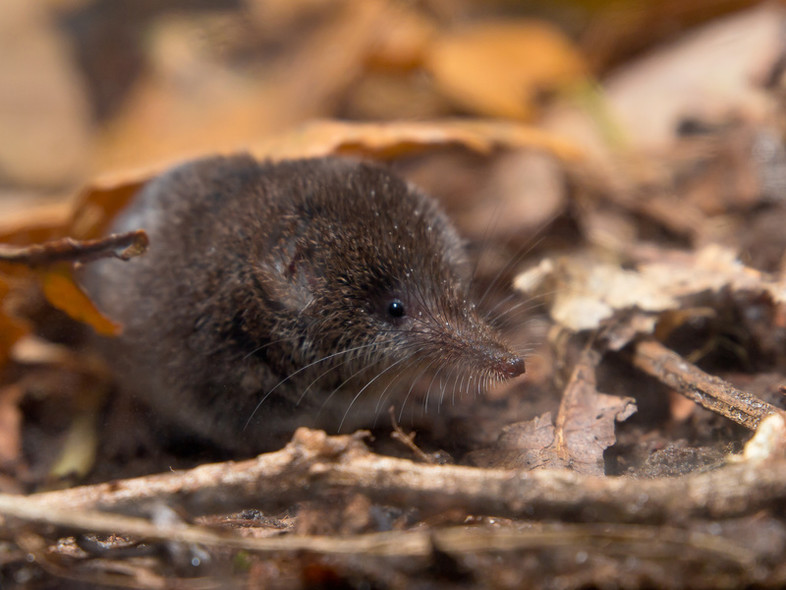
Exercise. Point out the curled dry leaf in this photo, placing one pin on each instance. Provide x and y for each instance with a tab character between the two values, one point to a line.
583	430
56	278
79	447
503	69
709	74
769	441
103	199
13	277
108	194
62	291
43	262
390	140
590	291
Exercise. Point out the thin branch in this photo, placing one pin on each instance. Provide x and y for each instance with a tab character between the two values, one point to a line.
709	391
408	440
650	541
315	465
123	246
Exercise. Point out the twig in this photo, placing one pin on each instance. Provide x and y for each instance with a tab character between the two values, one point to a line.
709	391
123	246
651	541
408	440
314	465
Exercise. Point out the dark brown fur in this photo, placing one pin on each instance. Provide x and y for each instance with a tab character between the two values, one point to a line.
258	273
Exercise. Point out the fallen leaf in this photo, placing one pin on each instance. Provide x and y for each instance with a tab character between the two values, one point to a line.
709	74
62	291
103	198
404	44
523	445
193	103
622	29
584	429
503	69
50	263
79	448
586	418
390	140
591	291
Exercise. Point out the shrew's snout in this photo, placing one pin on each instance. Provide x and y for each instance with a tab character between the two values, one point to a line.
511	366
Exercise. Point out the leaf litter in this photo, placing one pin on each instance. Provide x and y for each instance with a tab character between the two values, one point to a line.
655	275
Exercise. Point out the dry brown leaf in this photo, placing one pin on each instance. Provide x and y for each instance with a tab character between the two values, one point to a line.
28	220
102	200
389	140
523	445
62	292
109	193
621	29
50	263
194	103
709	74
584	429
585	422
503	69
591	291
403	45
78	452
14	276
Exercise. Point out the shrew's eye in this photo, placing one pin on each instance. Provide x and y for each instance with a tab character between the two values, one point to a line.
396	309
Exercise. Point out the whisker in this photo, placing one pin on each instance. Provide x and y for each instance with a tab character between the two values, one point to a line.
533	302
412	386
359	393
352	376
508	265
262	347
300	370
460	389
485	240
345	361
428	389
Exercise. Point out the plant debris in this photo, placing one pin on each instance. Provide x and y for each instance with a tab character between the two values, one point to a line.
619	172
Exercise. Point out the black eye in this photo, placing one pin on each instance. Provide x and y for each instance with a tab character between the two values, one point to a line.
396	309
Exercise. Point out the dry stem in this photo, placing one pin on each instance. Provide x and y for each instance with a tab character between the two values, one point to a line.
709	391
315	465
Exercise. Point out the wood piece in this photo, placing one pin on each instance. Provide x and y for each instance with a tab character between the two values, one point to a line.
314	465
646	541
123	246
709	391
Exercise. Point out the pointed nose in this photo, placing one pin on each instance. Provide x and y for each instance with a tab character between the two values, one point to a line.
512	367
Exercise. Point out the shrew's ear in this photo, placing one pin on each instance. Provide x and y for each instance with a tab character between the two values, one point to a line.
287	277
